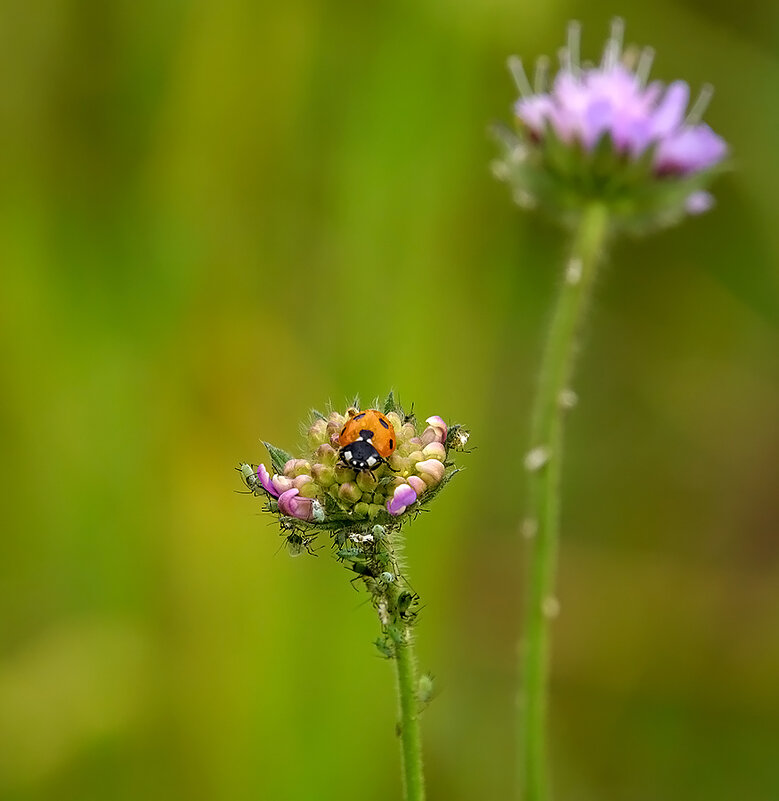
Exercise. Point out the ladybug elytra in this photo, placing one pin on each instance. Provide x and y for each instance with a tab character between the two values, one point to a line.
367	440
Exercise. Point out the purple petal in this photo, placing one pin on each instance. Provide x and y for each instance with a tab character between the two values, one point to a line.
403	496
690	150
291	504
534	112
669	113
265	480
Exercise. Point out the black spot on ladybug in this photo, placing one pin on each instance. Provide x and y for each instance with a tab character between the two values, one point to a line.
392	444
343	430
366	434
358	416
384	423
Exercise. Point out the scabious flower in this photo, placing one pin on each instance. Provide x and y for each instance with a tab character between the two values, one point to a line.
606	133
361	511
319	492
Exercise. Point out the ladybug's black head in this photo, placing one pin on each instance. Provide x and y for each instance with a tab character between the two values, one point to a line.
360	455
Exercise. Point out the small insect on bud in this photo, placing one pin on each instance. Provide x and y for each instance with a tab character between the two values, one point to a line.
426	689
250	477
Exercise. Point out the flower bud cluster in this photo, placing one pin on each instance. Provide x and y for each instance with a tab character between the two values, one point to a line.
320	490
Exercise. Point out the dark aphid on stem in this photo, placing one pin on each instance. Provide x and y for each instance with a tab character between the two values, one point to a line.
297	543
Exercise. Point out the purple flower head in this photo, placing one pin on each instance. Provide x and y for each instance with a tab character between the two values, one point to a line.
604	132
265	480
612	100
403	496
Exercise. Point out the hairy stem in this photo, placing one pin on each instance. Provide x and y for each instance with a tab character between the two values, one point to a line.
408	727
542	526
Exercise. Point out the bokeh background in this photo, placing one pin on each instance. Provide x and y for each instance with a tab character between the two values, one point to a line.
217	214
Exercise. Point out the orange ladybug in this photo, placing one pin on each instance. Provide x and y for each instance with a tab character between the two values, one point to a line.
367	440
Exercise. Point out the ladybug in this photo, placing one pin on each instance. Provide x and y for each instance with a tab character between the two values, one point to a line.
367	440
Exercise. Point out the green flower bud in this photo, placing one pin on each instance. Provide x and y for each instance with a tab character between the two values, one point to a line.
323	474
317	433
397	422
300	481
349	492
361	509
302	468
373	510
344	474
416	456
309	490
366	481
407	431
398	462
327	454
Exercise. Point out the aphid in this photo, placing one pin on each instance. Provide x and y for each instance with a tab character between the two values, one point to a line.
250	478
297	543
367	440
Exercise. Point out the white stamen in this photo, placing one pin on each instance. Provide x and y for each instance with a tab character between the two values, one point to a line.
537	458
568	399
500	170
644	65
524	199
529	528
518	74
574	39
551	607
573	272
564	57
700	105
613	48
540	74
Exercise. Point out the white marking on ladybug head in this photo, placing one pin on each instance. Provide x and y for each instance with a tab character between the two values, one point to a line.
347	454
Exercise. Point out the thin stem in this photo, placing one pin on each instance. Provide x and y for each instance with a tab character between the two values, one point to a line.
410	737
544	463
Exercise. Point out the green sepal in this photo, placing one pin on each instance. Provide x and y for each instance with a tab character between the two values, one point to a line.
278	457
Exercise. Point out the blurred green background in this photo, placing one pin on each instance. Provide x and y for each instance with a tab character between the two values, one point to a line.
215	215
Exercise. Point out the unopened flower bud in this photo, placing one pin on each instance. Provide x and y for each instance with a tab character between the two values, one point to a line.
417	484
327	454
293	505
281	484
300	481
336	419
398	463
440	427
416	456
289	467
428	435
317	433
431	471
310	489
407	431
395	419
402	498
323	474
361	509
344	474
302	468
435	450
349	492
374	509
366	481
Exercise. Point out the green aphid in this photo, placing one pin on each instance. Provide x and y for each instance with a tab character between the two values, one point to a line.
250	478
385	647
349	554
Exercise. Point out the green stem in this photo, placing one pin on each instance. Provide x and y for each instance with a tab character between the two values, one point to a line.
544	463
410	737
